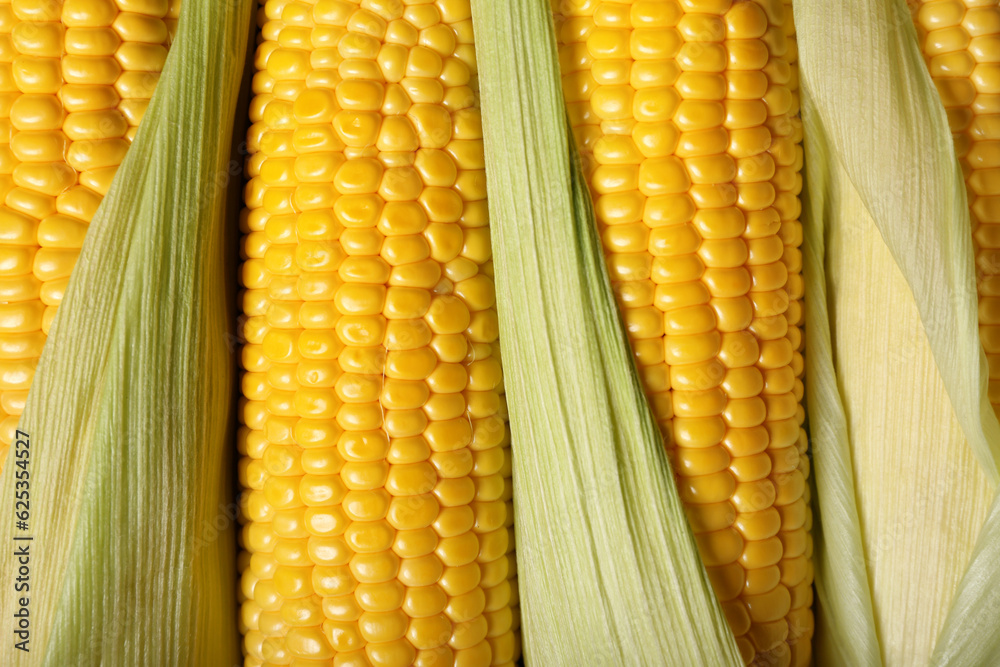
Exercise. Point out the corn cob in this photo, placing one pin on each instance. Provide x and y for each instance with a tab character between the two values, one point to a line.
686	114
76	79
375	451
961	43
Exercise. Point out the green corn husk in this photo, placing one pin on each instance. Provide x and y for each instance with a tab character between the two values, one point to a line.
608	570
905	444
133	556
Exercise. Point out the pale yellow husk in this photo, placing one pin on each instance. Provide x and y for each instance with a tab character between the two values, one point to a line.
923	495
905	444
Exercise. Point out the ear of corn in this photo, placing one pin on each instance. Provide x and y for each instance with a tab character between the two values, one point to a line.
132	558
75	80
961	45
905	438
609	569
686	114
376	460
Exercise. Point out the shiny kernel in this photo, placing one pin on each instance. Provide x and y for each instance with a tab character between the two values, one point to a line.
357	129
937	15
692	115
946	40
691	462
654	44
613	102
608	43
745	21
761	580
697	27
649	105
88	13
745	85
746	442
608	179
703	56
653	13
37	75
360	176
770	606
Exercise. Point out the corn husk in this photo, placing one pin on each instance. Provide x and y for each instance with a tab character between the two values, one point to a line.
905	443
608	570
132	515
